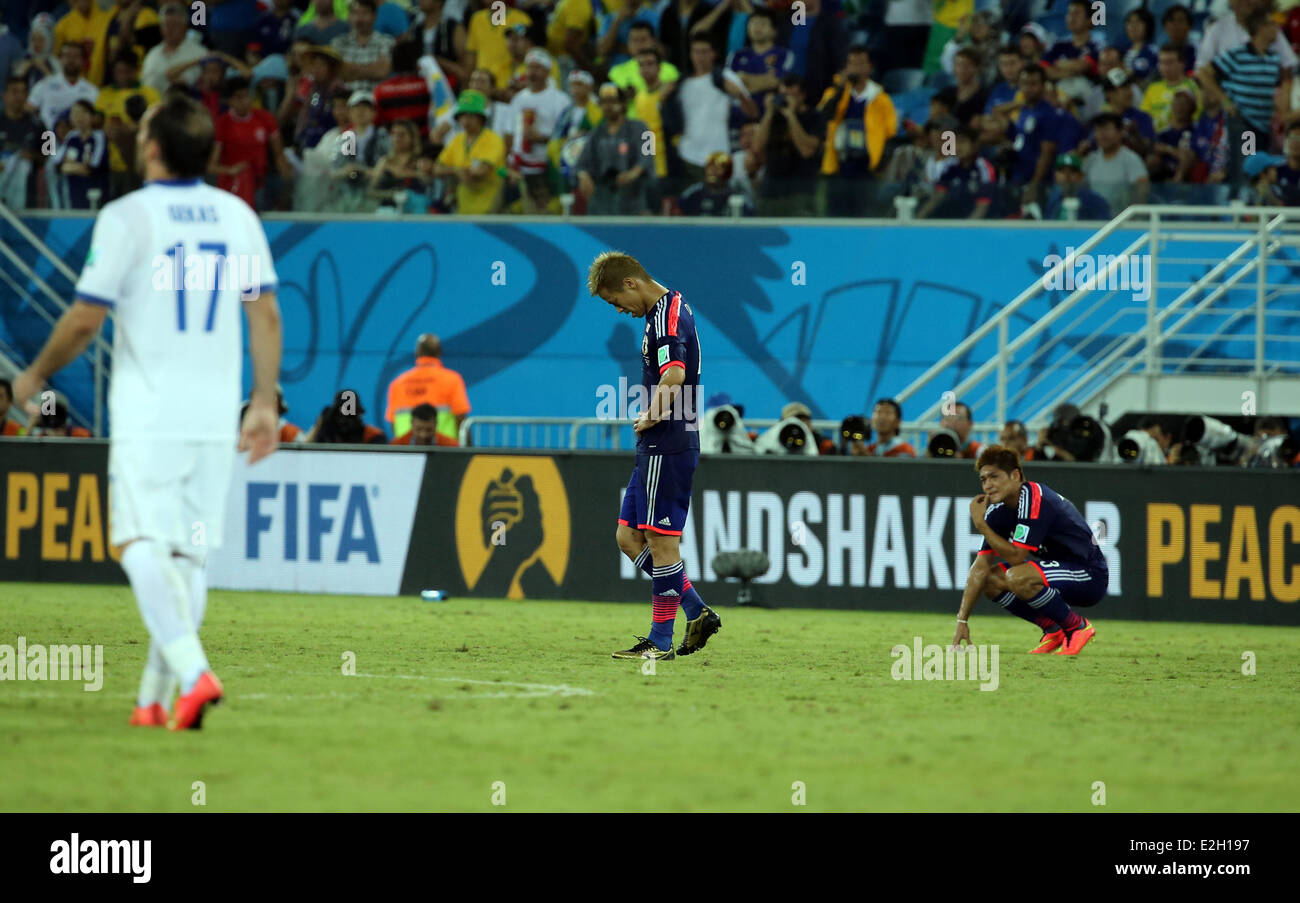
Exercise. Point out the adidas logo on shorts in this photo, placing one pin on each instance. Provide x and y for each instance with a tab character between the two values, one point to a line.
664	521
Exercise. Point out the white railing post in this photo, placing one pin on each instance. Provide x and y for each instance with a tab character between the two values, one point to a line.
1261	288
1002	371
1153	328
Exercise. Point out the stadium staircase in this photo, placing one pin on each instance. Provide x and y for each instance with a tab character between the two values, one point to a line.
1217	332
30	304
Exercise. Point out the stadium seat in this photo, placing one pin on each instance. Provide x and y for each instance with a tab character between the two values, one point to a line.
939	80
914	105
901	81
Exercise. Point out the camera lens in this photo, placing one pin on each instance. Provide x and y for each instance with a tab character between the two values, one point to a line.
724	420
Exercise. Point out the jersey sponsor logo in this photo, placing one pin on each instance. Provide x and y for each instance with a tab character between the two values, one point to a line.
512	526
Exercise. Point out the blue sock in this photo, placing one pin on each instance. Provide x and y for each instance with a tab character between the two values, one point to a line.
1021	609
667	595
692	604
1050	603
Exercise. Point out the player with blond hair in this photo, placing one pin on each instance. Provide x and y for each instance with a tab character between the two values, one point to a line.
668	449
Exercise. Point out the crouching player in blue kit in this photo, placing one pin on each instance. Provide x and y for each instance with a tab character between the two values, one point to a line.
1040	560
667	451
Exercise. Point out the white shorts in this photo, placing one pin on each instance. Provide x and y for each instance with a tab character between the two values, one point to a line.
170	491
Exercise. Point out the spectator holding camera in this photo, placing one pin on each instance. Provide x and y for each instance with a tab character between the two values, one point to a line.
1015	436
854	433
340	423
789	137
801	412
613	174
958	419
886	418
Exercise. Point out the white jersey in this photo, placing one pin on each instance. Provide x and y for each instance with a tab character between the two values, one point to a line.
175	260
546	106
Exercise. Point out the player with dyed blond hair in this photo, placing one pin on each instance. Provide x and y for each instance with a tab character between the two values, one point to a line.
668	449
175	261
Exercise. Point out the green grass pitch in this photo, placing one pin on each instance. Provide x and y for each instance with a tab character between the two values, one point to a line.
451	698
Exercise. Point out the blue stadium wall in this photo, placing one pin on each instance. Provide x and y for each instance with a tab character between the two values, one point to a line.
835	315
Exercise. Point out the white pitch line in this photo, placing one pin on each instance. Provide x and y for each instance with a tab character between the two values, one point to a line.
540	689
527	690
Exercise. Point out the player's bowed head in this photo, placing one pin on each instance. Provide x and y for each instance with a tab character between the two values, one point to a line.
619	279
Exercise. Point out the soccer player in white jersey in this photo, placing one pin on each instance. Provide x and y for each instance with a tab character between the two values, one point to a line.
175	261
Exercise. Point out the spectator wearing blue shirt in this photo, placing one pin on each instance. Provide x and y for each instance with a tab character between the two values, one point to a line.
820	46
1172	156
1077	54
1210	142
967	187
274	28
230	25
1140	58
1003	93
1034	137
1285	187
763	63
1071	184
1248	77
1177	23
1139	129
82	160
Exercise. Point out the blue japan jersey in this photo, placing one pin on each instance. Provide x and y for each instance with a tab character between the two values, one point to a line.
670	340
1046	524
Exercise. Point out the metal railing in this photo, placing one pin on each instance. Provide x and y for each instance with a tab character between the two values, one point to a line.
592	433
1085	341
49	304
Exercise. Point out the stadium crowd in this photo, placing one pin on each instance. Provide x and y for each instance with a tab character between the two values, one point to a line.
1017	108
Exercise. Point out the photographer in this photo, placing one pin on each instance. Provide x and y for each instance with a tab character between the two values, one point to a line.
789	134
802	413
614	174
959	421
341	423
1074	436
854	434
886	418
1015	436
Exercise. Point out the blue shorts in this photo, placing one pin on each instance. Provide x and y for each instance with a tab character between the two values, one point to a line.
659	493
1080	585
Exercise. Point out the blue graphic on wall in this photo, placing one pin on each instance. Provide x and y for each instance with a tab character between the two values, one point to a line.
835	316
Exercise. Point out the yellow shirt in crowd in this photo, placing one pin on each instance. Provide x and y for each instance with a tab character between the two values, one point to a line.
491	149
489	42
